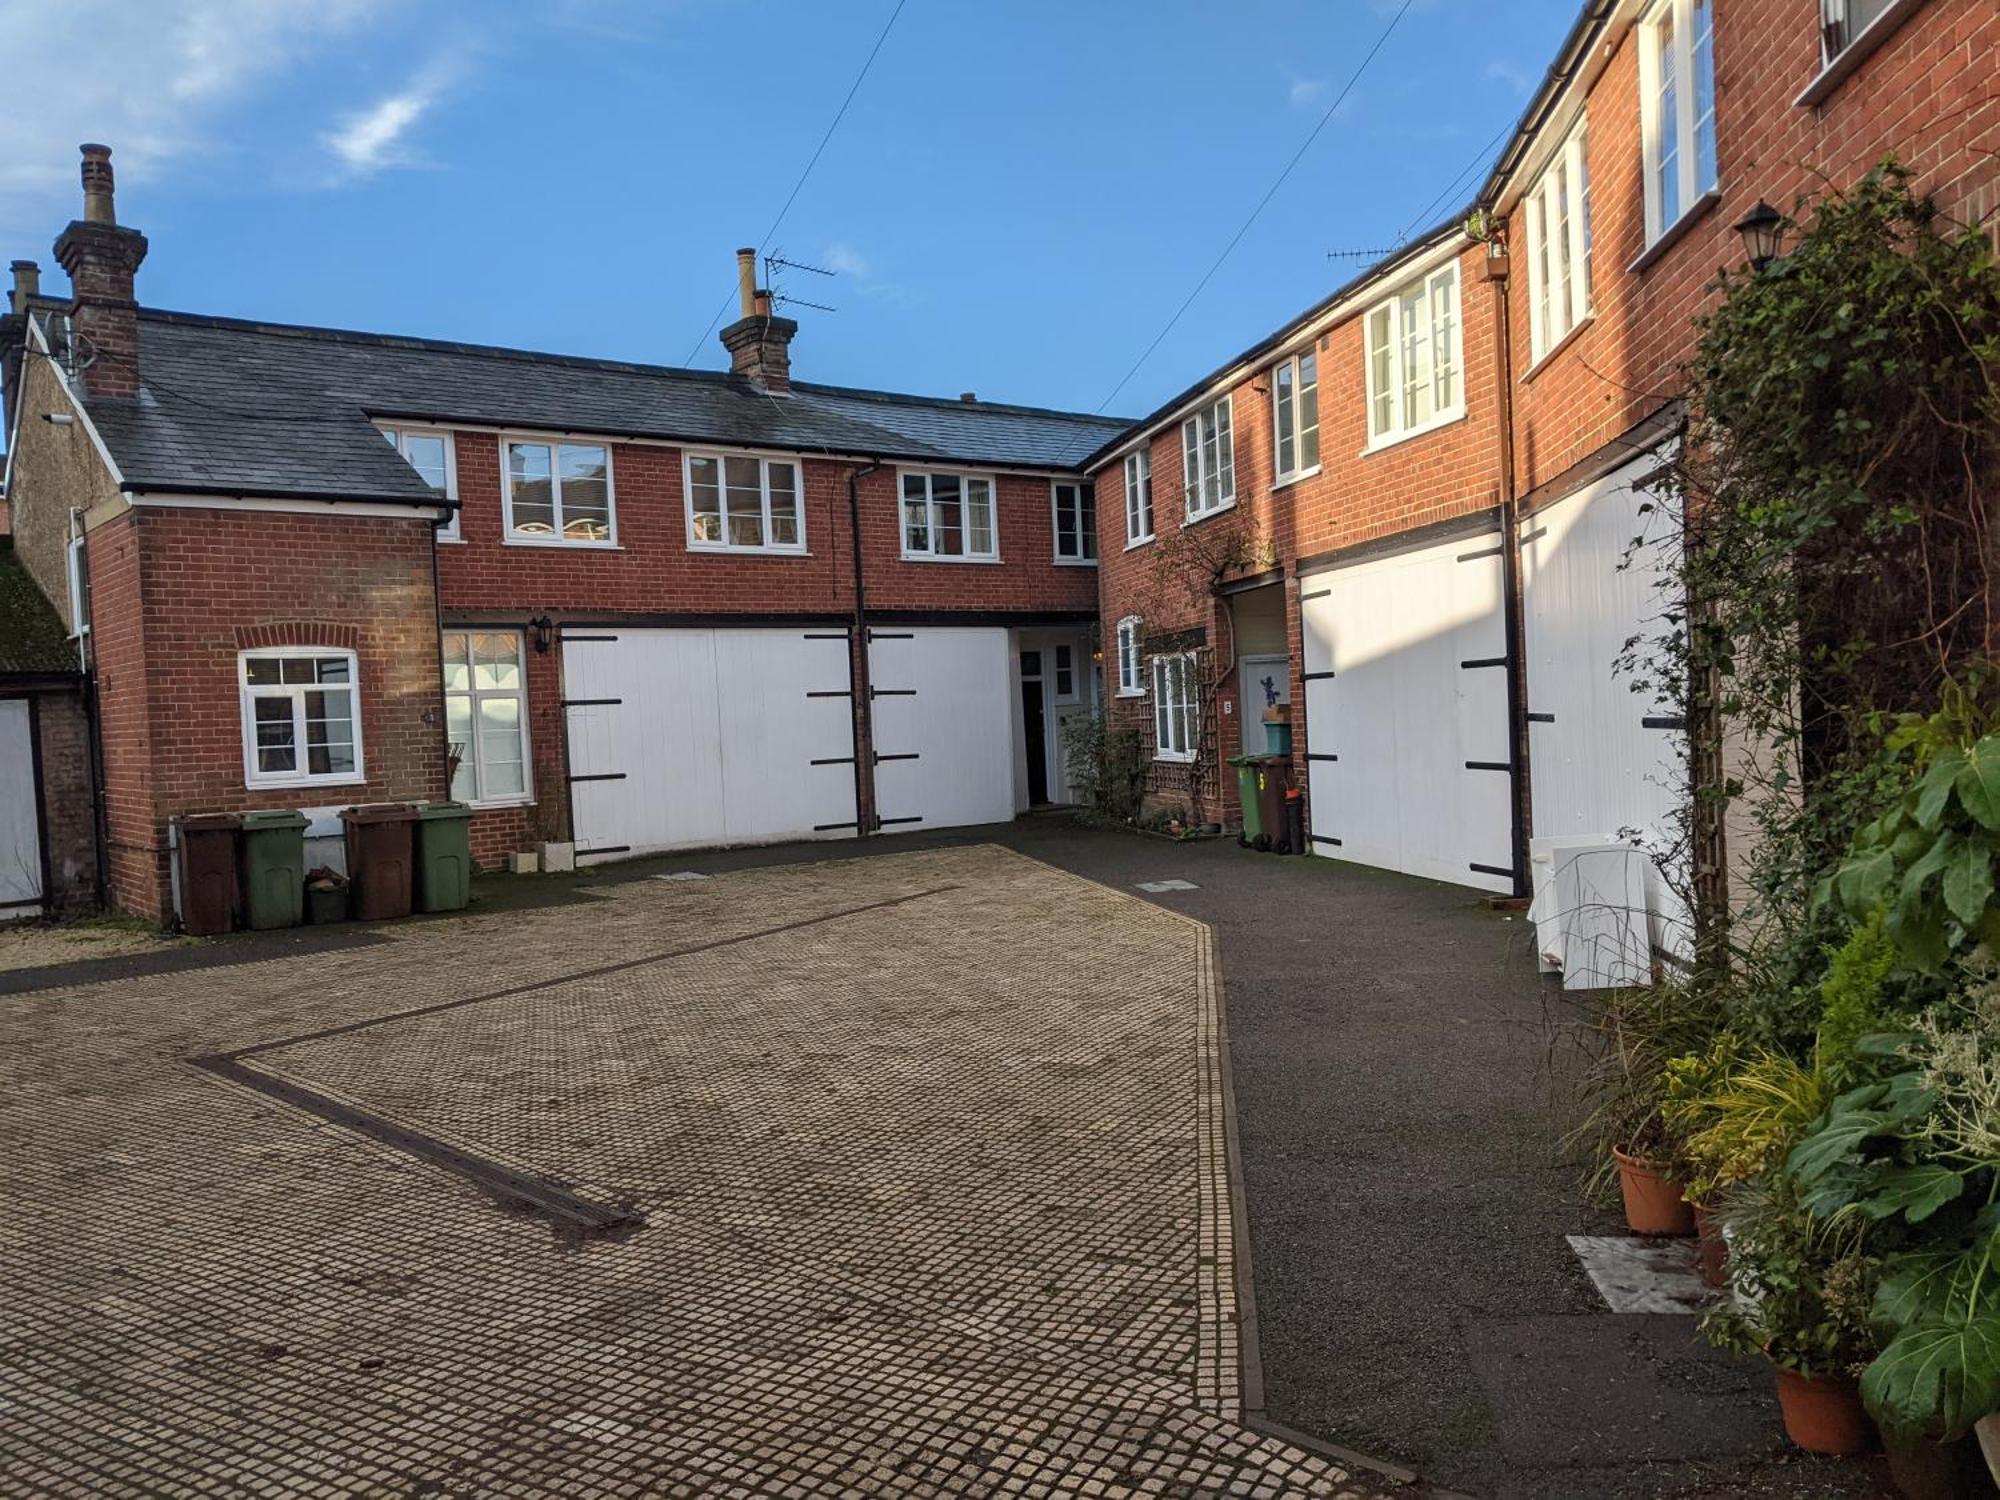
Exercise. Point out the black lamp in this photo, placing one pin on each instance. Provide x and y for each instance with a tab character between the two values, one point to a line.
545	632
1763	231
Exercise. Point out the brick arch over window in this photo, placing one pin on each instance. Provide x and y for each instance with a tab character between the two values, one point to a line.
297	633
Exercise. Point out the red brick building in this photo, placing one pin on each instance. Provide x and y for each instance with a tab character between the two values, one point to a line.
612	606
1449	575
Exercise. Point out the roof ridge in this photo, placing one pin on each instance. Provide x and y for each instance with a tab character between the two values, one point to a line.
958	403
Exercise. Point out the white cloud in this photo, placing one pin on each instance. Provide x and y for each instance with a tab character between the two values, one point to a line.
845	260
375	138
1505	72
150	80
1307	92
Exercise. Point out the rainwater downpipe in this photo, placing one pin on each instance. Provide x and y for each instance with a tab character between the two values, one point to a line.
866	821
1510	557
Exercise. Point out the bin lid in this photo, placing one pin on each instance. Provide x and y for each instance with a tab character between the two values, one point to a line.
274	817
379	812
434	810
210	822
1244	760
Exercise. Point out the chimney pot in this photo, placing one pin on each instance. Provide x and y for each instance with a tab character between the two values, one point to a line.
746	280
763	303
969	397
27	284
99	187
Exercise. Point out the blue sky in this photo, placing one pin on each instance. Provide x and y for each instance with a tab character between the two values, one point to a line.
1021	194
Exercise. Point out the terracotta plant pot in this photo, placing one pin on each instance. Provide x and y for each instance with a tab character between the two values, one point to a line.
1653	1201
1823	1415
1712	1253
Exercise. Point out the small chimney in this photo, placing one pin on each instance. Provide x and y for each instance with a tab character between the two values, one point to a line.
27	285
759	345
102	259
969	397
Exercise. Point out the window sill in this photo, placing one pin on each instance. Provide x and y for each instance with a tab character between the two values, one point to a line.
1126	692
1839	69
1076	562
560	545
928	557
1398	439
453	541
1167	759
1285	481
1138	542
1558	346
499	804
303	783
1220	510
725	549
1676	231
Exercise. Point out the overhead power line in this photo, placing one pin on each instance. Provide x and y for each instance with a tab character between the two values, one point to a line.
791	198
1270	193
1422	218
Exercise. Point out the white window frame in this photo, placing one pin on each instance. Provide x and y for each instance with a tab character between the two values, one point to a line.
1138	498
930	532
1689	171
720	457
246	714
554	442
1295	366
399	435
474	694
1086	537
1840	11
1131	665
1427	285
1063	659
1208	460
1552	316
1173	713
76	565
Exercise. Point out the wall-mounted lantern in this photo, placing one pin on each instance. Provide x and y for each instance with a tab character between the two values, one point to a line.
1763	231
545	632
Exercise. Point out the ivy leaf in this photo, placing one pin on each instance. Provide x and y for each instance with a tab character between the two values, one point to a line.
1978	782
1914	1192
1934	791
1968	881
1937	1377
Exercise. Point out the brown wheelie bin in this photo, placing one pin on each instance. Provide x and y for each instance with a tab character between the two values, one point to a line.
380	859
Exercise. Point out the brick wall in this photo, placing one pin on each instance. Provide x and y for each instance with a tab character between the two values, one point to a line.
180	592
68	815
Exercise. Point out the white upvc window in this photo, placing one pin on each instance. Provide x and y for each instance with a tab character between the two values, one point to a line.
558	494
948	517
1676	109
78	559
301	716
1415	358
1075	508
486	715
1174	710
430	454
1208	460
740	503
1138	497
1131	667
1841	23
1295	415
1558	211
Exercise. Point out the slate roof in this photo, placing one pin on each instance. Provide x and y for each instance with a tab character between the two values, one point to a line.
274	409
32	638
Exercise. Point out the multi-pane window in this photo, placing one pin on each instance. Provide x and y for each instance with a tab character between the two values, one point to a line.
1076	521
301	720
485	715
949	516
1677	112
739	503
430	454
1208	460
1841	21
1414	358
559	492
79	587
1138	497
1174	711
1558	209
1065	673
1131	670
1295	404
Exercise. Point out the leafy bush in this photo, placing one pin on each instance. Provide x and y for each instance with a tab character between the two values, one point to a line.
1107	768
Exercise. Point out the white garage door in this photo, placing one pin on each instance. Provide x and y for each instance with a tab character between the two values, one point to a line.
944	735
1607	765
1405	661
696	738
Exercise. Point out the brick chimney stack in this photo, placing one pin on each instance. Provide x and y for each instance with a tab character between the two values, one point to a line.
14	330
102	258
759	345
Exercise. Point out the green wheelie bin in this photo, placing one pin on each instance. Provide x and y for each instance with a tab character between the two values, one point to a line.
1246	797
444	856
273	868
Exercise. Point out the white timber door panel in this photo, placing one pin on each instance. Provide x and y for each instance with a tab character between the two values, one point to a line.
696	738
943	722
1405	663
20	813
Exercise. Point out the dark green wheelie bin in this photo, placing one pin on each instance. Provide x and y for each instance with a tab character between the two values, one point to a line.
1246	796
444	856
273	866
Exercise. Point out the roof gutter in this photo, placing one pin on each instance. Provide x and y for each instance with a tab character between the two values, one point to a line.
1569	59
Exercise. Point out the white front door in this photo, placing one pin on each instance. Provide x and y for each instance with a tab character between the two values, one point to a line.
1261	681
20	813
943	721
1405	670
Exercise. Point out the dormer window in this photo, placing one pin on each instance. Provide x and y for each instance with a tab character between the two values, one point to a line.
429	453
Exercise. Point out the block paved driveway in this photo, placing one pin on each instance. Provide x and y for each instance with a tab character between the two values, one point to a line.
895	1176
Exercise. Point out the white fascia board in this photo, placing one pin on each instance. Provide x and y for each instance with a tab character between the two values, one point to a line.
169	500
76	406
